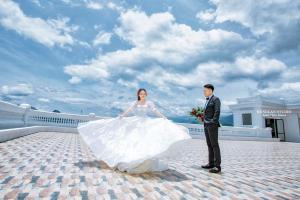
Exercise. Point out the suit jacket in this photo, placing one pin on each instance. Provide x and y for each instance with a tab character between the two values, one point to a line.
212	110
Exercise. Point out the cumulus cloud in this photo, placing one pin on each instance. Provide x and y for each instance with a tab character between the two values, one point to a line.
168	42
44	100
171	59
206	15
285	87
75	80
291	74
252	68
92	70
279	20
73	100
94	5
102	38
289	91
157	38
115	7
17	91
256	68
129	84
275	25
250	13
36	2
47	32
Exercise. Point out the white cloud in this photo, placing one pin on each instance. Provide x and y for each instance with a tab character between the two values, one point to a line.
259	16
291	74
166	41
206	16
74	80
277	20
73	100
102	38
289	91
226	103
115	7
129	84
21	89
47	32
45	100
159	39
71	3
285	87
36	2
92	70
259	69
94	5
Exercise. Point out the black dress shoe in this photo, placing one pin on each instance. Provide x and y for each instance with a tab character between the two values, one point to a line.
215	170
207	166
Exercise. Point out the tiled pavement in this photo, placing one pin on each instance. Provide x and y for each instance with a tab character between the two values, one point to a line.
49	165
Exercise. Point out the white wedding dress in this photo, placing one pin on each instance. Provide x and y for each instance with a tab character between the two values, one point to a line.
133	144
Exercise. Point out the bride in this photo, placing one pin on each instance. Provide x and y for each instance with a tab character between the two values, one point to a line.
133	143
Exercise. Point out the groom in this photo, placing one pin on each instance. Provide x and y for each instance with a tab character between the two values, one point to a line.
211	126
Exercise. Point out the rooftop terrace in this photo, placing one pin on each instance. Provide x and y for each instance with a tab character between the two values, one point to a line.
54	165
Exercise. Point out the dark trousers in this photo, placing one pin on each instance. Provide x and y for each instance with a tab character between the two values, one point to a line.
211	134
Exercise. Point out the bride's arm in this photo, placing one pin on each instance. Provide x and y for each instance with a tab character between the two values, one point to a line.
128	110
155	110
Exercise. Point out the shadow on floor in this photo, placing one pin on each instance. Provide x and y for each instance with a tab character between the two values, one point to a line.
167	175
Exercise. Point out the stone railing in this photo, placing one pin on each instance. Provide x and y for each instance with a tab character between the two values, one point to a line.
12	116
197	131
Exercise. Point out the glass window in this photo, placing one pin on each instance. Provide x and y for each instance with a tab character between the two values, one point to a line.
247	119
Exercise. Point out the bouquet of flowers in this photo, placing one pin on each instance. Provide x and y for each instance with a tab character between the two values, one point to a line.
198	113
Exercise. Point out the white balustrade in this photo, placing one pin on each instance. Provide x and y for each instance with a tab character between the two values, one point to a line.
12	116
197	130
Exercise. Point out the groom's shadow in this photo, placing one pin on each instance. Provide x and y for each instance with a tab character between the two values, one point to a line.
167	175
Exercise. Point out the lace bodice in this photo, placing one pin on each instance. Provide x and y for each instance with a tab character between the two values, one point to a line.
143	110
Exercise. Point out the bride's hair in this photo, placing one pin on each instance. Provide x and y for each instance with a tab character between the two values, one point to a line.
138	93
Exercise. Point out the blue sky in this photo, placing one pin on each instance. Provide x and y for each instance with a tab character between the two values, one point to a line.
91	55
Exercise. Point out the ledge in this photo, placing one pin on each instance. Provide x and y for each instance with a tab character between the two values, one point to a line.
9	134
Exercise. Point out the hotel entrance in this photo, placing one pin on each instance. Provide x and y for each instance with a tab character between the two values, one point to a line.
277	126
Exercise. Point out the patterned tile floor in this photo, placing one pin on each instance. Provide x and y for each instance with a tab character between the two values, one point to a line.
49	165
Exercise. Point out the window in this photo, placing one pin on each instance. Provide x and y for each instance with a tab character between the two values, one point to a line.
247	119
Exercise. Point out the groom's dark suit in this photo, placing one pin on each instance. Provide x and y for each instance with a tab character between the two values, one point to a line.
211	126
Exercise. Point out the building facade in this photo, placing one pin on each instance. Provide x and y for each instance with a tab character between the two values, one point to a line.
262	112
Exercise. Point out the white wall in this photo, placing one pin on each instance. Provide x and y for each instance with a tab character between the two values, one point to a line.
24	116
195	130
291	124
13	116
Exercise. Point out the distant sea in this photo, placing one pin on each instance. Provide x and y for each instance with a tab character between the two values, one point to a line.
225	120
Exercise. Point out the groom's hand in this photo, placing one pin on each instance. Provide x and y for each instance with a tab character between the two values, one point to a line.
199	119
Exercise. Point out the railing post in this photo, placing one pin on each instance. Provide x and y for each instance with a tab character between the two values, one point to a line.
26	113
92	116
